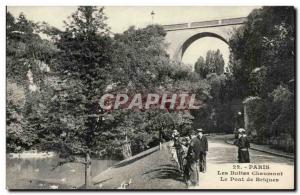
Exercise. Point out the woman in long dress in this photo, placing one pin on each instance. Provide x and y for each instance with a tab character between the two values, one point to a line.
243	148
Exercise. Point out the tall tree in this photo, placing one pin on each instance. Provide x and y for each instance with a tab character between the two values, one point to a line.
138	56
214	63
83	64
201	68
264	43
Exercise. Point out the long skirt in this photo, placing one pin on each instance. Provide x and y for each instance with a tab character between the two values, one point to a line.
243	156
193	168
180	159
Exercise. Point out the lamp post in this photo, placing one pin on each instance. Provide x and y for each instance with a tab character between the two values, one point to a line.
152	16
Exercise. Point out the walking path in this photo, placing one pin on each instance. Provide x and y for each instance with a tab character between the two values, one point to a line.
263	148
223	171
157	169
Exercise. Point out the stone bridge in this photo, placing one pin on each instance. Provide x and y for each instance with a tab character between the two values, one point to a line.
181	36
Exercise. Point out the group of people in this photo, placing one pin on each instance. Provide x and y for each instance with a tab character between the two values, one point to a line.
191	154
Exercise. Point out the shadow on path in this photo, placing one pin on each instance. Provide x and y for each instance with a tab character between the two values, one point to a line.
167	171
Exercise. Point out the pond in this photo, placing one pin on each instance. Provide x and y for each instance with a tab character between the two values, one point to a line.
38	173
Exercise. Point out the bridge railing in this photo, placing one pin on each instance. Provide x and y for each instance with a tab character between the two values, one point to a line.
205	23
202	24
176	26
234	21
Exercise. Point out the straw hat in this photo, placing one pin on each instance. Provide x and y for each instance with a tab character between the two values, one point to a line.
241	130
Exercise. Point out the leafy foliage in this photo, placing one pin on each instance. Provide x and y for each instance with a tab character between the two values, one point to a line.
83	69
263	64
74	69
266	40
53	86
214	63
28	59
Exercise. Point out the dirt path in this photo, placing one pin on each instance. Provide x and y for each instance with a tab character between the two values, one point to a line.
156	169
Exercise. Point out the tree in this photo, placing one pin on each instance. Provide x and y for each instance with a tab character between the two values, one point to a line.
17	138
266	40
139	55
83	66
200	67
215	62
141	64
263	64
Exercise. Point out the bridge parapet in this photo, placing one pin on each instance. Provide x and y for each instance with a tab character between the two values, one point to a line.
202	24
176	26
234	21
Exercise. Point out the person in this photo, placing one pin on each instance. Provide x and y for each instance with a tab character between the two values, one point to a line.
197	157
162	138
186	161
243	145
175	133
191	170
236	142
203	150
178	148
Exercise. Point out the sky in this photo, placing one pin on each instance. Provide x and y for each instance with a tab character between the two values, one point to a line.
121	17
201	46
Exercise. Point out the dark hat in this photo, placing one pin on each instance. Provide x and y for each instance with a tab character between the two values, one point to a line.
199	130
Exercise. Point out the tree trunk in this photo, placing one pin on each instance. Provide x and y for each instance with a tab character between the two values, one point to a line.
126	150
160	139
88	177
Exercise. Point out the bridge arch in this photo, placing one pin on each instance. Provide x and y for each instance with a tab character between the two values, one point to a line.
183	47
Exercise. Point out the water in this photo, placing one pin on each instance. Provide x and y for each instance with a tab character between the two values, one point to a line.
38	173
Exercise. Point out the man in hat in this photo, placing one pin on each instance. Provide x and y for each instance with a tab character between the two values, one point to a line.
203	148
197	156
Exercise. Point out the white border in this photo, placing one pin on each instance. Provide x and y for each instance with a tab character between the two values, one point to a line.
119	3
152	2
